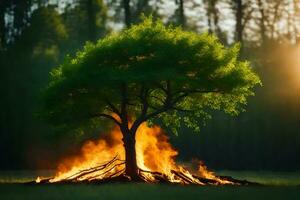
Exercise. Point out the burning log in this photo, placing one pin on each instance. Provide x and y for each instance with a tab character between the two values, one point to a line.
106	168
185	178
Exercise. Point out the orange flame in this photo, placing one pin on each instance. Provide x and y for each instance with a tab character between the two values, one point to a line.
205	173
153	150
38	180
92	154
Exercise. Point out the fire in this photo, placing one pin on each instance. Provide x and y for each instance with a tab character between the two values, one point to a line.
38	180
205	173
105	158
92	154
154	152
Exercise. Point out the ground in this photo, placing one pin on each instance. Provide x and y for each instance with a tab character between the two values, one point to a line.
280	186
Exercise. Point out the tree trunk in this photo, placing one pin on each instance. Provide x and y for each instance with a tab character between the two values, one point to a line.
295	27
2	26
213	17
262	21
131	168
91	15
215	13
238	18
182	19
127	12
21	12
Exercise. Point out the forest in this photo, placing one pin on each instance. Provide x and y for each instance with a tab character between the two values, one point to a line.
37	35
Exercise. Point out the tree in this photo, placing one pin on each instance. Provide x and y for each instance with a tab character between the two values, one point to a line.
212	16
180	14
85	20
238	9
91	15
243	10
127	12
147	72
21	14
3	8
272	13
239	16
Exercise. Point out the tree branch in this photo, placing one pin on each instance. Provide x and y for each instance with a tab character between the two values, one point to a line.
168	104
106	116
124	100
113	108
247	18
181	109
157	98
144	99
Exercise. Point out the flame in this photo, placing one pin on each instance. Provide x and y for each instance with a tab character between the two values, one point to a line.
205	173
38	180
154	154
92	154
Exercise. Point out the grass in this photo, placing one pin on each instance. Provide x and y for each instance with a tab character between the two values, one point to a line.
283	186
266	177
144	191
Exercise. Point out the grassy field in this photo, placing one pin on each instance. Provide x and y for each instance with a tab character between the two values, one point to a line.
280	186
266	177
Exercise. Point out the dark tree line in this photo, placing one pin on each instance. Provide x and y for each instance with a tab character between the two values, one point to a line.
35	36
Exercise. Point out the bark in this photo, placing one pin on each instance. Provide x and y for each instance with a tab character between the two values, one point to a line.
131	168
210	30
239	17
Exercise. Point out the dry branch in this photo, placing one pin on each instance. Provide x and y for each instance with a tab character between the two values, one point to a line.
110	172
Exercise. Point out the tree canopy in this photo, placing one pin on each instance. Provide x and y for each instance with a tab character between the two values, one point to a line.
149	71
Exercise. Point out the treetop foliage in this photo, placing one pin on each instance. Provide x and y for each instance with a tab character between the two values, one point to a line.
156	71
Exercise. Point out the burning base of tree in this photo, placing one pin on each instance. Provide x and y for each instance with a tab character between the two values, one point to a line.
104	161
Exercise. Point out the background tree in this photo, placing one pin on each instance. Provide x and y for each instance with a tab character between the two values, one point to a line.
127	12
3	7
85	21
242	10
133	9
179	17
212	16
148	71
238	5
